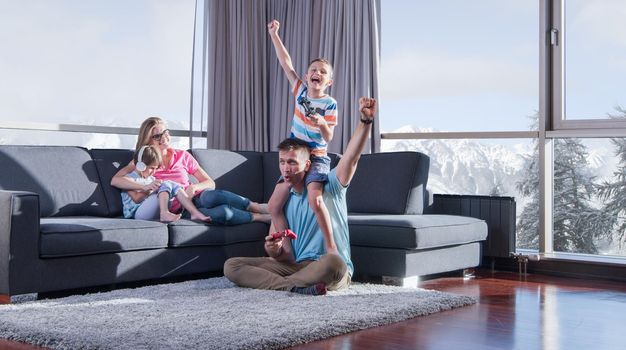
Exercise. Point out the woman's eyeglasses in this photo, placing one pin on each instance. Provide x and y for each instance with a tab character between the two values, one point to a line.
157	137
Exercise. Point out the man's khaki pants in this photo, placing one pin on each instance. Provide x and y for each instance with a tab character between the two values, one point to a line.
267	273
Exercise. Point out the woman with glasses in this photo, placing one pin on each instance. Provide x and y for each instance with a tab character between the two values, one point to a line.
224	207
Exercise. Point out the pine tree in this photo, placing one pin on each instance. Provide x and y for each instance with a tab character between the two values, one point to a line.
496	190
528	222
614	192
576	224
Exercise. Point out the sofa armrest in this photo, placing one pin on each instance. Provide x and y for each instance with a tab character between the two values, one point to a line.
498	212
19	235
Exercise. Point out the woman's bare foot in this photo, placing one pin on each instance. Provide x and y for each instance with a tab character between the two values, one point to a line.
266	218
166	216
200	217
260	208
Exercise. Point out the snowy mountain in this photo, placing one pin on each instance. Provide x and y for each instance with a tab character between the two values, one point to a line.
483	167
467	166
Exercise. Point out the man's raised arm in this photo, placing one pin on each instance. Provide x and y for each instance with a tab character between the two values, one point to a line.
350	158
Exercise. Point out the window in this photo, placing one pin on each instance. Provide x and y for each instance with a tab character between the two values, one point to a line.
588	49
588	211
107	63
458	65
595	48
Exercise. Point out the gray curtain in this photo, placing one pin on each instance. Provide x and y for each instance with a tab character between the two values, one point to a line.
240	89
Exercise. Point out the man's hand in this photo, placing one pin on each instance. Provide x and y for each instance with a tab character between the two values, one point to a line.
367	107
273	246
272	27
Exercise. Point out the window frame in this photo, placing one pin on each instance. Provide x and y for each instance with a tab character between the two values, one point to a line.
555	35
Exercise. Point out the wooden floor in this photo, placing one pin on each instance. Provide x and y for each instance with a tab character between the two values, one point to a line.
536	312
539	312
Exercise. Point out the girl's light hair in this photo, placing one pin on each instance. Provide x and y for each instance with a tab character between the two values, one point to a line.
145	131
150	156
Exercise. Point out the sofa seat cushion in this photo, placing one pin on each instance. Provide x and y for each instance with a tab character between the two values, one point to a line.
185	233
414	231
73	236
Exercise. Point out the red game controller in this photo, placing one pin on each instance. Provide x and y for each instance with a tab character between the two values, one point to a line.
286	233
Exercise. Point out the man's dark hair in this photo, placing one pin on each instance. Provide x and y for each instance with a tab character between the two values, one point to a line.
293	144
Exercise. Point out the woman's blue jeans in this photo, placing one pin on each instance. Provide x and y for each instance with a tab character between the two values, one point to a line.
224	207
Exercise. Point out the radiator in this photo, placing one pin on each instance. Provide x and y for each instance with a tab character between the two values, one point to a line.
498	213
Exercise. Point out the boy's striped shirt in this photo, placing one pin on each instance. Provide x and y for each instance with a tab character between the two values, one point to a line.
303	129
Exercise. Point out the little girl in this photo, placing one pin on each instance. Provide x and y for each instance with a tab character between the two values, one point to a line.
145	204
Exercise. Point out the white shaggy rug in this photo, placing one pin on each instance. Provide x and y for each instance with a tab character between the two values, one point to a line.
212	314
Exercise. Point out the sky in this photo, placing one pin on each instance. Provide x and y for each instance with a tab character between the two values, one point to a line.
103	62
450	65
596	57
460	65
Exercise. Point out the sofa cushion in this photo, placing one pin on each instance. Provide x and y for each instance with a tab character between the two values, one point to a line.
72	236
108	162
238	172
184	233
65	178
414	231
389	183
271	174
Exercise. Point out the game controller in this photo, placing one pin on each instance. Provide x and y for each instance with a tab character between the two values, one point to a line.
306	103
290	234
286	233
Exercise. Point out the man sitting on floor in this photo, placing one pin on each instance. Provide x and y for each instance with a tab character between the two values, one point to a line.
303	265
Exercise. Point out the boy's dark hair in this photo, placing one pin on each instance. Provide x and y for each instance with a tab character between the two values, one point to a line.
325	61
293	144
150	156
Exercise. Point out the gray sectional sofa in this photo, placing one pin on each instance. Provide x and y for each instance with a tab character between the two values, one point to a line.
61	226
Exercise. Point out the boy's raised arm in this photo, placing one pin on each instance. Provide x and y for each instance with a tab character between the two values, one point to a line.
281	52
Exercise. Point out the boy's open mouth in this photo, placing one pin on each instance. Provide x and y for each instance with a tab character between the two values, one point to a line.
316	80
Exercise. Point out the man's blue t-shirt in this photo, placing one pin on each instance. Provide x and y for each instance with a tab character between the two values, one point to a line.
310	242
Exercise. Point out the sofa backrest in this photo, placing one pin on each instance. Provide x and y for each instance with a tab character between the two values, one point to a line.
73	181
247	173
65	178
240	172
271	174
389	183
108	162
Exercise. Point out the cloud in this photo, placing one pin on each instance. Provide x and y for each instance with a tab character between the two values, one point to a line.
431	74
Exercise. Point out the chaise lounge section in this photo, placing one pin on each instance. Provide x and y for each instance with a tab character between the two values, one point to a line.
389	233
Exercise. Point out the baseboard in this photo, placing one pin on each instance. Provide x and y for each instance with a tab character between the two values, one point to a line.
561	268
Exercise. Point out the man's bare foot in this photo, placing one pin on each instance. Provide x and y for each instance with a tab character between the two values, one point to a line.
166	216
266	218
260	208
201	217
